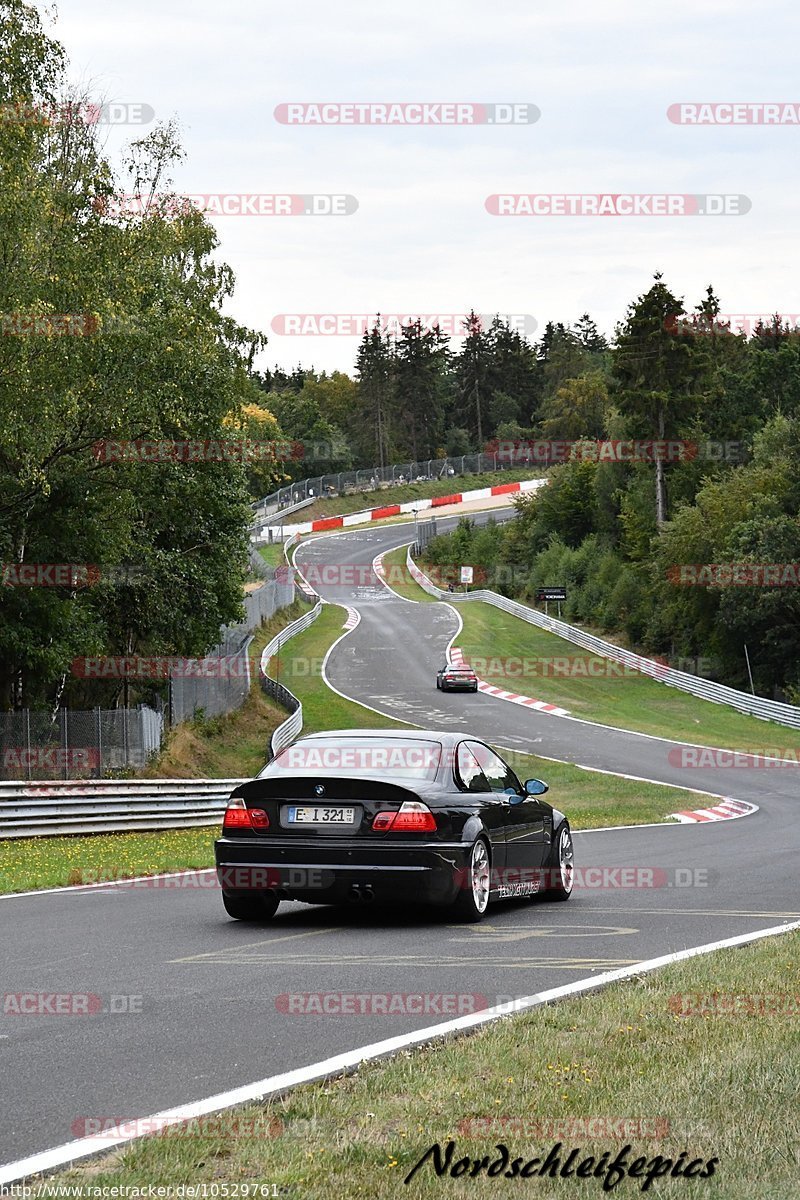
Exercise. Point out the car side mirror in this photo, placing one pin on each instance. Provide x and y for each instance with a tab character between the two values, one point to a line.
536	787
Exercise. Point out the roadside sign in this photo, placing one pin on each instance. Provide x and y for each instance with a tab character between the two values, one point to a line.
466	574
550	593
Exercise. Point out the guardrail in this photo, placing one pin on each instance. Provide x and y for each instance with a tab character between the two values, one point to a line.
111	805
288	730
704	689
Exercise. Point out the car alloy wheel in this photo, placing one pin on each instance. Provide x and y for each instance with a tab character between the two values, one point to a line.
473	897
563	867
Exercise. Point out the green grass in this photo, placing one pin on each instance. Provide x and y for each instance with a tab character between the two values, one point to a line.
398	578
234	746
272	554
593	800
299	668
717	1087
30	863
519	657
335	506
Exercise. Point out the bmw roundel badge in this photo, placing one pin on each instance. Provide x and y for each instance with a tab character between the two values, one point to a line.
319	790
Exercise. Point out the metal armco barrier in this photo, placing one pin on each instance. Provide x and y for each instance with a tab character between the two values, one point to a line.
111	805
704	689
132	805
289	729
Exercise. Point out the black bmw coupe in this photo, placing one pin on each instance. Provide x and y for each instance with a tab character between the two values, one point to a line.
393	816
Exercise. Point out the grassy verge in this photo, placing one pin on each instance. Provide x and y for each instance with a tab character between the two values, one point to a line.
272	554
686	1084
27	864
593	801
234	747
511	654
300	669
402	493
398	578
229	747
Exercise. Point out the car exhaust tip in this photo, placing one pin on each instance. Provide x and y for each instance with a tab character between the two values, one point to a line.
354	895
368	895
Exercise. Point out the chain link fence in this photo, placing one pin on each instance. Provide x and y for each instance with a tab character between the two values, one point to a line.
370	479
219	683
77	744
97	743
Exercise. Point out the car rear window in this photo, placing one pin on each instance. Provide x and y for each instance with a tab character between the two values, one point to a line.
360	756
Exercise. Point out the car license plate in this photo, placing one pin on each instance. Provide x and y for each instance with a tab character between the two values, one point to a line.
319	815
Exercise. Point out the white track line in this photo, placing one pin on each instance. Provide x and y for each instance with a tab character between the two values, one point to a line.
59	1156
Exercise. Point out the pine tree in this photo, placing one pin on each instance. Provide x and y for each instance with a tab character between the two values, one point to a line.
656	369
421	386
374	368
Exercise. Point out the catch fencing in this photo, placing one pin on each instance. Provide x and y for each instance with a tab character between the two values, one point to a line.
369	479
96	743
219	683
705	689
71	744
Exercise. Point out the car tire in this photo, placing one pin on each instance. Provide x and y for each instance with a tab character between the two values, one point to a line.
562	866
260	907
475	688
473	897
438	684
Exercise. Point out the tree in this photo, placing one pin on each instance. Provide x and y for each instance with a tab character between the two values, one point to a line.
656	374
374	370
471	371
420	385
588	335
577	409
114	332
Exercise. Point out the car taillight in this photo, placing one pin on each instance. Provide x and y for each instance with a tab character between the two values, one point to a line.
239	816
411	817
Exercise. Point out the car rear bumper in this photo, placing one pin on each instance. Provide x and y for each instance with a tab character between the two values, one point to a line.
460	687
323	873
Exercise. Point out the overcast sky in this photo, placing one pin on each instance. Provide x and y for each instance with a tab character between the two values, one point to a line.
421	241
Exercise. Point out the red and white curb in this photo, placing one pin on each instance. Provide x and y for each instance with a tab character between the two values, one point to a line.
457	658
306	587
353	617
726	810
410	506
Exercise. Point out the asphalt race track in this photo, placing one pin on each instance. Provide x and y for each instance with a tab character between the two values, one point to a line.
200	994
